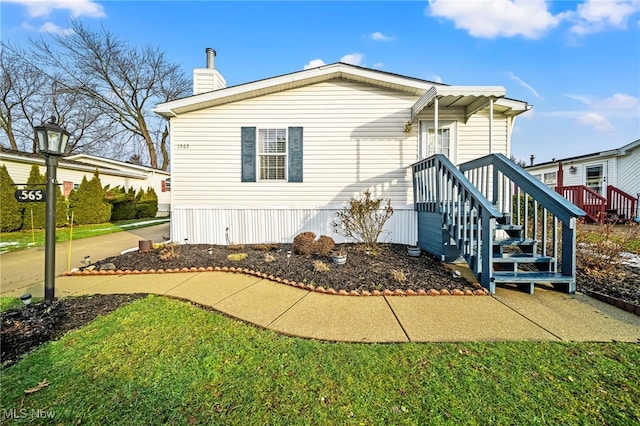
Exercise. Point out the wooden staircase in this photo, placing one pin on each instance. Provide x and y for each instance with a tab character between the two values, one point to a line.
508	226
617	207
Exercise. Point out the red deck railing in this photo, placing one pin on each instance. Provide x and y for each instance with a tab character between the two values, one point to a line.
591	202
622	203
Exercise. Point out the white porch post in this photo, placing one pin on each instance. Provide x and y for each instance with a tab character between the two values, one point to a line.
435	124
490	125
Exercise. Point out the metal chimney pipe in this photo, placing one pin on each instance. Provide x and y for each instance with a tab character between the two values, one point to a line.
211	58
533	158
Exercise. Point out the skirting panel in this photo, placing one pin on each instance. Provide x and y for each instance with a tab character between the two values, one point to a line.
234	226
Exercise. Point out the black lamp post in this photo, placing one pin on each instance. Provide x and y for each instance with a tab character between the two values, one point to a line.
52	142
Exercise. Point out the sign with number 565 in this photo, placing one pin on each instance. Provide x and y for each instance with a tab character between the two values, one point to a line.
30	195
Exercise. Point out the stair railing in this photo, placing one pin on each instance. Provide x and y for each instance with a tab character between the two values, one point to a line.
439	187
530	204
588	200
623	203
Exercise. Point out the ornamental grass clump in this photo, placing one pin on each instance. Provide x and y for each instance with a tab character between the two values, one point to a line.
363	219
236	257
320	266
170	251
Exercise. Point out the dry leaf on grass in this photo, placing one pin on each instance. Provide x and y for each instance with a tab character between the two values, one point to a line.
43	384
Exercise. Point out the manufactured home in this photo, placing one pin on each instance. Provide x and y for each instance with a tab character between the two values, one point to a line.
605	184
72	168
266	160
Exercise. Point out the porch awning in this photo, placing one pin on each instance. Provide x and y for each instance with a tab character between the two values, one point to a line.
471	98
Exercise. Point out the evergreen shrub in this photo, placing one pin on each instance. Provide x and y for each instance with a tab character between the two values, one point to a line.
11	211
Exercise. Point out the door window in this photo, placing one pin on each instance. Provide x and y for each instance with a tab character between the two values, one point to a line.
594	178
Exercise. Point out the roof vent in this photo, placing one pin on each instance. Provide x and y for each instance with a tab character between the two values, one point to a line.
211	58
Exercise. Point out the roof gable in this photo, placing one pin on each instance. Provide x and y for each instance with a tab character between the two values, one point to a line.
293	80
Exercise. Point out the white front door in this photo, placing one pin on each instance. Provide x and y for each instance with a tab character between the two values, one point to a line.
595	176
443	144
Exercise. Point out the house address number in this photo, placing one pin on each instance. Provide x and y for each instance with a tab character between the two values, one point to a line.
183	146
30	195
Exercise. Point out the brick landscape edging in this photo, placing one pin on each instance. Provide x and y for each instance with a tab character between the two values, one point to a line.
478	291
618	303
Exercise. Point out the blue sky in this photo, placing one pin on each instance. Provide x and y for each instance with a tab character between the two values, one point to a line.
576	62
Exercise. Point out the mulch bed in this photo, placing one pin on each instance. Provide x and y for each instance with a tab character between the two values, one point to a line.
388	267
26	328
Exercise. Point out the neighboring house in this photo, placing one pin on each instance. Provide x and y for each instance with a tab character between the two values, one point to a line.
71	170
605	184
263	161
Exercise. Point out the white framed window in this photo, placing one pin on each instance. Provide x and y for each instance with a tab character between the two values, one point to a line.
551	179
272	154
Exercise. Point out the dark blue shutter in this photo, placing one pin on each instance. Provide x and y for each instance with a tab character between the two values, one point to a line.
248	154
295	154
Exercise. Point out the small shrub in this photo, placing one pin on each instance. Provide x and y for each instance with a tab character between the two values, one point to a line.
398	276
146	203
170	251
89	202
320	266
324	245
268	257
236	257
363	219
235	247
304	243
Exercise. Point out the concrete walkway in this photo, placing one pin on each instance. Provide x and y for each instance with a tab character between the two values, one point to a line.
546	315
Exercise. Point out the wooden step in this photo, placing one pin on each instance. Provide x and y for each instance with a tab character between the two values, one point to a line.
521	258
528	279
515	242
525	277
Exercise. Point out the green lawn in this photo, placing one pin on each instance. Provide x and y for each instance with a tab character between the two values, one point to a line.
162	361
11	241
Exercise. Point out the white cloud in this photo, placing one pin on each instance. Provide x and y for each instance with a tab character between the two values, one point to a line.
378	65
50	27
599	113
378	36
496	18
525	85
597	15
353	58
314	63
617	101
43	8
597	121
435	78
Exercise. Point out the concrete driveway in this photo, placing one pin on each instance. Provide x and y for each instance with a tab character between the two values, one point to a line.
24	268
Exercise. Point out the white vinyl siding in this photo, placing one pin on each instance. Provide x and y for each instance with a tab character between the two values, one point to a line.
353	139
629	173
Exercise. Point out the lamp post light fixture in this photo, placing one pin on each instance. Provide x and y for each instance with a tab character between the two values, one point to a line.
52	142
